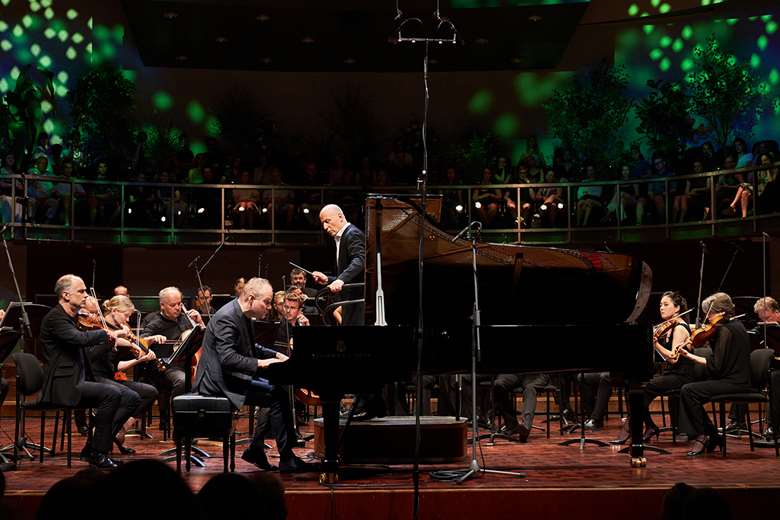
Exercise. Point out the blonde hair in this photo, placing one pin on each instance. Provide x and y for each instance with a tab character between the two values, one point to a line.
768	303
118	303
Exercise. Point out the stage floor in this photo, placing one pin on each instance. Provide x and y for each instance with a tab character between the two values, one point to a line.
559	481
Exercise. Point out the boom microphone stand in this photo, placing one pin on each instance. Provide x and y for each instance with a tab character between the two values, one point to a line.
460	476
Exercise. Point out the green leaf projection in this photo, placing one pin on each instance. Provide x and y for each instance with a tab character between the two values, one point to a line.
68	38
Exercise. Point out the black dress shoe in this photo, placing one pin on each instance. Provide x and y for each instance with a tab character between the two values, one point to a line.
293	464
86	452
101	461
523	432
700	446
125	450
650	432
258	459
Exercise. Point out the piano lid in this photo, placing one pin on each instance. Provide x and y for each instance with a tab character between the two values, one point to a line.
531	283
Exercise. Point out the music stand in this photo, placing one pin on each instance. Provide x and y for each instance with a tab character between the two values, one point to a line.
8	340
13	319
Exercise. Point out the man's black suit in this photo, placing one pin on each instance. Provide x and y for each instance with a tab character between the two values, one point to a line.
350	267
68	379
228	368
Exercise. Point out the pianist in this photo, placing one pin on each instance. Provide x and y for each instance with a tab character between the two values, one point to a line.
229	368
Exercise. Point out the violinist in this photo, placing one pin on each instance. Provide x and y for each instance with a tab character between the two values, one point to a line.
728	368
110	363
669	337
172	323
768	312
68	379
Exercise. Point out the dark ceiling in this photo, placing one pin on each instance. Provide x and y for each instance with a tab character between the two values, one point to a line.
343	35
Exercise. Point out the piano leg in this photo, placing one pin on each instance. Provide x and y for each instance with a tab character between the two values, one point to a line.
638	405
330	419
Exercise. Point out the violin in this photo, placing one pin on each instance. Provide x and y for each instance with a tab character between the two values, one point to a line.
701	335
143	349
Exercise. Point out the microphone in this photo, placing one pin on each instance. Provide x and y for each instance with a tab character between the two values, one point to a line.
194	262
5	226
465	229
703	246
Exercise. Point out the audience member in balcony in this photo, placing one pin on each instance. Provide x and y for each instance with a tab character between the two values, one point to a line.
623	201
195	174
553	207
738	181
452	200
487	200
710	157
699	191
280	199
640	167
741	150
679	194
768	189
62	191
8	167
656	191
103	200
588	197
245	210
44	204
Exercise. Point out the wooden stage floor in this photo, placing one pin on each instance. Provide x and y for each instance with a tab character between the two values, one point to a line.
560	481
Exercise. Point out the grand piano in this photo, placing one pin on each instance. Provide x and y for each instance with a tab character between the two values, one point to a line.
544	309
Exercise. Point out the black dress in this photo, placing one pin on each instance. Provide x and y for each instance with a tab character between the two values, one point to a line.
672	378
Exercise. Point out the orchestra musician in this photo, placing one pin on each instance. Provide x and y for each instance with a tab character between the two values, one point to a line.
172	323
110	362
68	380
502	401
231	366
202	302
121	290
728	368
298	279
670	336
768	312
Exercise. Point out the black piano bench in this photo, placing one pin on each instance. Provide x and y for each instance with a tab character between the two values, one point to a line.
200	416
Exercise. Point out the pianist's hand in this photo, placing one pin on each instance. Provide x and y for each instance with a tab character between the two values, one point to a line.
281	357
336	286
265	363
319	277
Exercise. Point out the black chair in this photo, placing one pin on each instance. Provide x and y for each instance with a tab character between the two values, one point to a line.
29	382
200	416
760	362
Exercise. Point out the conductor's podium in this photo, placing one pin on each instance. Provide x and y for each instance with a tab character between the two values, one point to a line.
390	440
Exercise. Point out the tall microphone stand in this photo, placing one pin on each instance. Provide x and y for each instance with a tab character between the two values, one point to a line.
460	476
701	282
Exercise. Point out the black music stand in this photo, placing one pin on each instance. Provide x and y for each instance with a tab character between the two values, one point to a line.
8	340
582	440
13	319
186	351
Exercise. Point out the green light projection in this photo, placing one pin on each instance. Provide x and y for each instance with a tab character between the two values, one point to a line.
665	51
59	36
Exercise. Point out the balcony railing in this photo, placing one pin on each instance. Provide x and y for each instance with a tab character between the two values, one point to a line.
145	213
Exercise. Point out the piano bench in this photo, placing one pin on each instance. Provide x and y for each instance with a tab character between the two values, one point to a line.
201	416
